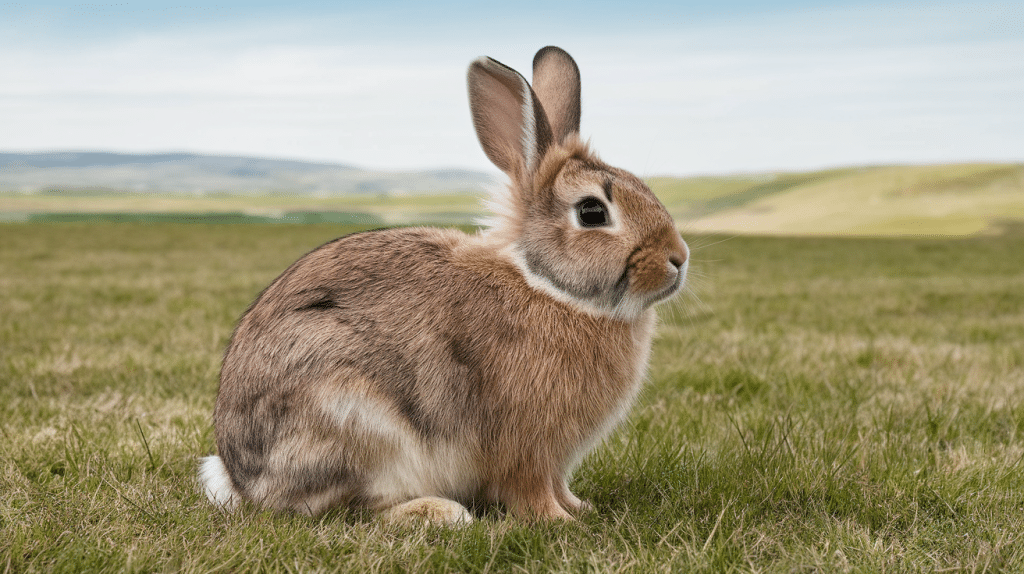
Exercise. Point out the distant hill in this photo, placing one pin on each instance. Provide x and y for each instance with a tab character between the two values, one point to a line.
211	174
956	199
952	199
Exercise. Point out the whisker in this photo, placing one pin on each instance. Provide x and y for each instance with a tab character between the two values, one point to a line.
698	246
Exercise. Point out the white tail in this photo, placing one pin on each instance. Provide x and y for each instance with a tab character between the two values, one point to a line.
216	483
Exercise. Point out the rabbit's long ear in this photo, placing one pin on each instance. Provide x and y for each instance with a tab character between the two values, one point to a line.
509	120
556	81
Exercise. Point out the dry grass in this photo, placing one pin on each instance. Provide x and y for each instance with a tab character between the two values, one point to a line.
904	200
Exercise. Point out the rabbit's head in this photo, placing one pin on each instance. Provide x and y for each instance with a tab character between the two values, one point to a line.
586	233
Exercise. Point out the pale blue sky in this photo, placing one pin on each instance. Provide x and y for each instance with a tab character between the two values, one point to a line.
668	88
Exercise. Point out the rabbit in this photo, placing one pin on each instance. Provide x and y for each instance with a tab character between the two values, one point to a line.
416	372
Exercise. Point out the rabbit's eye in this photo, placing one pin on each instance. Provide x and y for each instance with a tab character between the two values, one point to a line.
591	213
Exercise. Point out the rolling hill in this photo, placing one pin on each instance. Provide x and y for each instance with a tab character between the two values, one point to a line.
197	174
954	199
962	199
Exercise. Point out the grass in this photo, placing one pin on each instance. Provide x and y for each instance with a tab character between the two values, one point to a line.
456	208
815	405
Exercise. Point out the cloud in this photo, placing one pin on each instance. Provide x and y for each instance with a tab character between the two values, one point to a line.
814	90
793	90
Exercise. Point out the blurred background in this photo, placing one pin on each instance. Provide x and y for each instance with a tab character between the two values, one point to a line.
370	99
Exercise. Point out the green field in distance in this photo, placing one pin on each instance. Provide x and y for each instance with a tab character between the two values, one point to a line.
960	199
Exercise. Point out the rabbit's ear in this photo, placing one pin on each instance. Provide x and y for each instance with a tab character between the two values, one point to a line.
556	81
508	118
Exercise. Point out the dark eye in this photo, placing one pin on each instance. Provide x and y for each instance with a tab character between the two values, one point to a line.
591	213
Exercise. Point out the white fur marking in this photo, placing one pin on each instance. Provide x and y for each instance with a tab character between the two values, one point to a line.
213	477
500	205
629	309
419	468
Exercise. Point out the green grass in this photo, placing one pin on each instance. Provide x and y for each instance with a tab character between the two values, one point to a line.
815	405
454	208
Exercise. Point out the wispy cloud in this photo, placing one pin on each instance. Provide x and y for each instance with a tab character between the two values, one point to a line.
795	89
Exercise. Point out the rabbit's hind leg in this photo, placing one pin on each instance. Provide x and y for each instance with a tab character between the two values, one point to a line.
429	509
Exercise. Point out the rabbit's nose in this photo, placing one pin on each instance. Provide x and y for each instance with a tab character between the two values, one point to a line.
678	257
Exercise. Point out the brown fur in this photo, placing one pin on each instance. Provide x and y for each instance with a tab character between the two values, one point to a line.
393	365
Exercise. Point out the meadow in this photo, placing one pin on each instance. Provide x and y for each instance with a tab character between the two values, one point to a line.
814	405
893	200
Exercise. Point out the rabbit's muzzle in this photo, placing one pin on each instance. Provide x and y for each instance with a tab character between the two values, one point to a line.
658	268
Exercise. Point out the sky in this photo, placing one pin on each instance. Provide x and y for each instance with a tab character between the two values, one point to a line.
669	88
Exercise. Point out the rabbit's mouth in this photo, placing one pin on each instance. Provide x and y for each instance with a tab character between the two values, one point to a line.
630	288
674	287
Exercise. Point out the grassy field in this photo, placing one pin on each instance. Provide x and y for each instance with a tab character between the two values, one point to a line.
390	210
815	405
